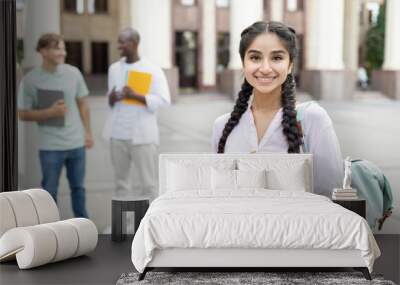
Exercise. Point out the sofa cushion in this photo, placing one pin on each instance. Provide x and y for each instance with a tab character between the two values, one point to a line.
45	206
40	244
67	239
23	208
26	208
7	215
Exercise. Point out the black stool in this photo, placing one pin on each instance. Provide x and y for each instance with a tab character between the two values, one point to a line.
121	205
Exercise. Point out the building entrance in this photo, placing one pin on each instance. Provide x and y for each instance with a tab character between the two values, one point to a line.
186	58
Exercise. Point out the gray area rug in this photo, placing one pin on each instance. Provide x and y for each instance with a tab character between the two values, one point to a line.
229	278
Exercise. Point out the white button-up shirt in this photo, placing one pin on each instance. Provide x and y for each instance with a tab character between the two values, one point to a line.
133	122
320	138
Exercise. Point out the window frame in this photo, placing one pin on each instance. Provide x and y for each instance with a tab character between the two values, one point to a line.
75	10
97	12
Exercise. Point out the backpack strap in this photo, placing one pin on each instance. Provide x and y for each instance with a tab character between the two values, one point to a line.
300	122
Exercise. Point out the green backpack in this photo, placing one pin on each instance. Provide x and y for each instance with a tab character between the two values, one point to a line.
370	182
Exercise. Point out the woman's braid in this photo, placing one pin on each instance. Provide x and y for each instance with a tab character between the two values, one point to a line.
240	107
289	121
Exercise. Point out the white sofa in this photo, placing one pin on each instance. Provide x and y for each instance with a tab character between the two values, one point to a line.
31	231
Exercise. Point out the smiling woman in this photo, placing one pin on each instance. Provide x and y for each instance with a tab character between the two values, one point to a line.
266	66
269	78
264	118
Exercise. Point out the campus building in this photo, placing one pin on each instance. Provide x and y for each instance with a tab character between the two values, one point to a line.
196	41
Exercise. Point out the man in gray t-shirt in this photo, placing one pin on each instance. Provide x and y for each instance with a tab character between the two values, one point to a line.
54	95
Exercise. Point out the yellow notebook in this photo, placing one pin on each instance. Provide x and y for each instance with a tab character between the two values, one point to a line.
140	83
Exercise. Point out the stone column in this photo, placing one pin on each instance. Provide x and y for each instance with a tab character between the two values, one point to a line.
156	35
387	80
351	34
392	40
208	45
40	16
276	10
325	76
242	14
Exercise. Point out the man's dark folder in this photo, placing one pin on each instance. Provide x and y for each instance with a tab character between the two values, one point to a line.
46	98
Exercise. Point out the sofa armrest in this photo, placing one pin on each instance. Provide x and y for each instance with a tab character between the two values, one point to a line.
26	208
33	246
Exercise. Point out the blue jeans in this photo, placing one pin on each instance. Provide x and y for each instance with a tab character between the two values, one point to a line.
52	162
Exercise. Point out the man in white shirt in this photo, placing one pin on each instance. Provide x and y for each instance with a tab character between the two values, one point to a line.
132	127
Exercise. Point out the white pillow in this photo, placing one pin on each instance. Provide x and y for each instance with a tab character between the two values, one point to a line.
223	179
251	178
227	179
188	177
293	179
282	174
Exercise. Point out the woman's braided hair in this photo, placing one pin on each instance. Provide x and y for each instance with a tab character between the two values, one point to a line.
290	126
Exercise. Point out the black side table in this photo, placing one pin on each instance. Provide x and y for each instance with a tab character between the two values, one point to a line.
357	206
121	205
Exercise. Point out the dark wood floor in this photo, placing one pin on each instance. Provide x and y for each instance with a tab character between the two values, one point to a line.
389	262
110	260
103	266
